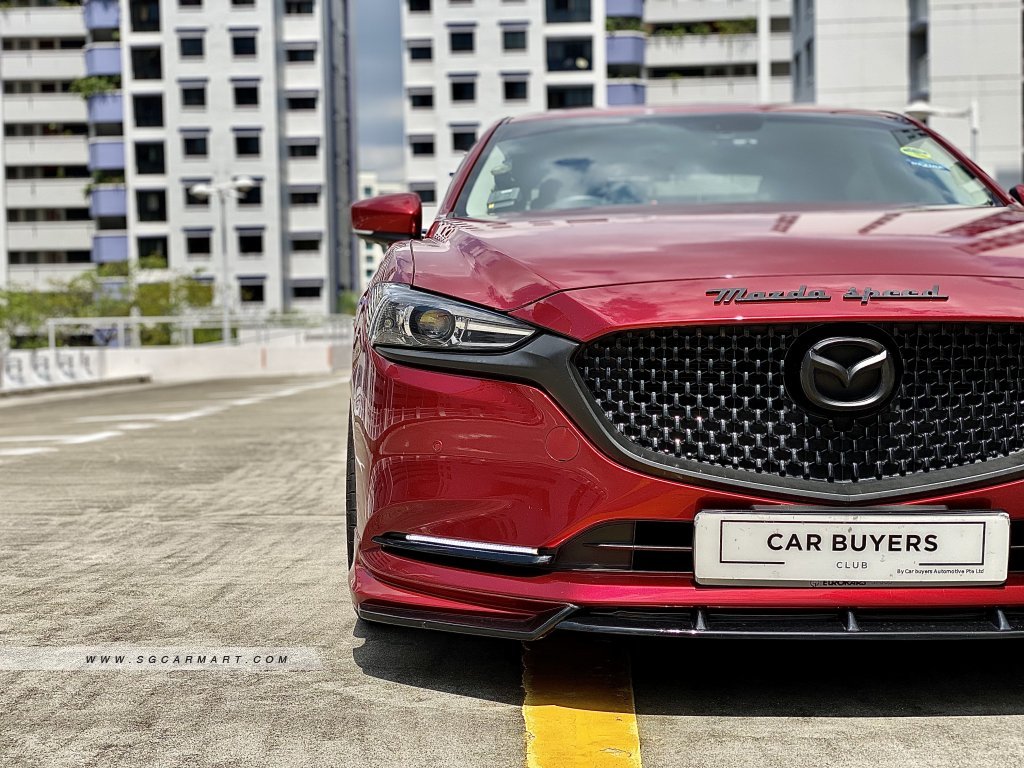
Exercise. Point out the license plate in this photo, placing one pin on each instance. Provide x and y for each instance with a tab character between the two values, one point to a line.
823	548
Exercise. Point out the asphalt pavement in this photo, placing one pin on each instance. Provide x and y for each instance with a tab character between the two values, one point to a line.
155	521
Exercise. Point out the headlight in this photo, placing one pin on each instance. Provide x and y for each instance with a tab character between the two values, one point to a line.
403	317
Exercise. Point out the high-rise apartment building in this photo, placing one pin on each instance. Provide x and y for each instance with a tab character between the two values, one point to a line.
112	111
469	62
959	59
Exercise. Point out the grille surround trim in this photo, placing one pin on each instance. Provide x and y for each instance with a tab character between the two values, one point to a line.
546	361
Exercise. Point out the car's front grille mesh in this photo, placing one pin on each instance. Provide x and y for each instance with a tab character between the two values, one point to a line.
716	396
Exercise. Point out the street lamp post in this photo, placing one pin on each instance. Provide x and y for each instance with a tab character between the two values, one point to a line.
922	110
233	189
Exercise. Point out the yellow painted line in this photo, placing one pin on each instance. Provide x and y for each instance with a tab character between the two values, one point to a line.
579	704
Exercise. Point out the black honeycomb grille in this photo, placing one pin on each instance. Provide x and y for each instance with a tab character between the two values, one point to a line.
716	396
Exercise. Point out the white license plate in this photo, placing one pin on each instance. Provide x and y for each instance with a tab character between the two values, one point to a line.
822	548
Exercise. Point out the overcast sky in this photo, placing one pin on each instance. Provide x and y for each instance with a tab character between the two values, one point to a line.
376	44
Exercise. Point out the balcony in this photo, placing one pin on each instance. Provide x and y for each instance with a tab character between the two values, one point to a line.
42	65
675	11
108	201
102	14
631	9
49	235
103	59
626	48
44	108
106	108
106	154
45	193
41	277
700	50
58	21
626	93
46	150
109	248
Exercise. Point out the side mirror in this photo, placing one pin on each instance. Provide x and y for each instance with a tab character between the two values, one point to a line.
388	218
1017	193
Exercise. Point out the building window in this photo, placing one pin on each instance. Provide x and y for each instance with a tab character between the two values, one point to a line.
146	64
419	6
195	145
421	99
422	146
190	3
152	204
149	110
306	290
567	11
514	39
250	242
247	144
305	244
298	197
463	139
301	102
568	96
571	55
303	55
193	95
243	3
464	90
251	292
191	47
145	15
303	149
195	201
152	252
253	198
149	158
198	244
426	191
247	95
298	7
461	41
516	90
243	46
421	51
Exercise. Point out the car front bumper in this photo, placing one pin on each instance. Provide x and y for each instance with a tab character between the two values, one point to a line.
448	455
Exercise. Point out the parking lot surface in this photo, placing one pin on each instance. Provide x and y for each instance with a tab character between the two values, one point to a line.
211	516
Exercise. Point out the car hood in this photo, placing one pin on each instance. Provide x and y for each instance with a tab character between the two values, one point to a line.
509	265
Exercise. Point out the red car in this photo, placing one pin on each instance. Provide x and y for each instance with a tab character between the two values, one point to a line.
696	372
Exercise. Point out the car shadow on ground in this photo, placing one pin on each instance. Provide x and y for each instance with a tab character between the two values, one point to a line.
463	665
727	678
793	678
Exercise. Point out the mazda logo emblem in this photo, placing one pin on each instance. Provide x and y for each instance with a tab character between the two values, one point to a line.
847	374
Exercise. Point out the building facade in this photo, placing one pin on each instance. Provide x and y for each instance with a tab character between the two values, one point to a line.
131	104
468	63
948	54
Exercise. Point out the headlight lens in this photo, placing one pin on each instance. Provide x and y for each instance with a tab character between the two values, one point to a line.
403	317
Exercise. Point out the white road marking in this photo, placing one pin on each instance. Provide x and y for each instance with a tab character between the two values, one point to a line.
140	421
25	451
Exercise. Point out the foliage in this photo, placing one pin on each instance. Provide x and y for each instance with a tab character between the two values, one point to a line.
704	28
348	301
108	291
620	24
95	85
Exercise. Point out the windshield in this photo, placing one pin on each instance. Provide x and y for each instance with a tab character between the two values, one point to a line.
737	158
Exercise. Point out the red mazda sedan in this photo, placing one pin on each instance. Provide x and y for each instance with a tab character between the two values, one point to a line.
698	372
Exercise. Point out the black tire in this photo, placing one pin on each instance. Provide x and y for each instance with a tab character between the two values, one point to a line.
350	496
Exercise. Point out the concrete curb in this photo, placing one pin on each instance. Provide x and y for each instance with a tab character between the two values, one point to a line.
75	386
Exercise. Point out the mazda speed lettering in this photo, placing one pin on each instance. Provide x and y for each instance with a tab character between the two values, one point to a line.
694	372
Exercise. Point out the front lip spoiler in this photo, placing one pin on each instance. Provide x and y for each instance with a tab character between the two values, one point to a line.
939	624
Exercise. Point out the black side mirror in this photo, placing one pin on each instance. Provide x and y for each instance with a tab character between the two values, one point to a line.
1017	193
